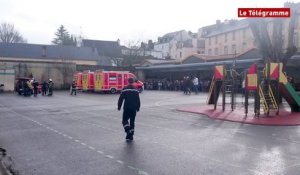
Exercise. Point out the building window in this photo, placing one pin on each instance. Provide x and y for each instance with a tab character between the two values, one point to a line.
225	50
209	52
225	38
297	21
244	46
216	51
233	49
296	40
244	33
216	40
209	41
180	54
233	35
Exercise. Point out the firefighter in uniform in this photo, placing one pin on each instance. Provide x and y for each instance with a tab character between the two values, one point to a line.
73	88
131	105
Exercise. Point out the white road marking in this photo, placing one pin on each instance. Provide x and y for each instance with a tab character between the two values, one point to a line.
100	152
109	156
131	167
92	148
142	173
120	162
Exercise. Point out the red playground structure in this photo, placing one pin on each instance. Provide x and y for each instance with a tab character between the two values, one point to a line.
268	87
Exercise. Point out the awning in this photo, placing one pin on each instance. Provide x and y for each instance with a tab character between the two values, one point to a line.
199	66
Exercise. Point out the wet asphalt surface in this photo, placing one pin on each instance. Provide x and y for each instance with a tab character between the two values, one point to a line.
83	135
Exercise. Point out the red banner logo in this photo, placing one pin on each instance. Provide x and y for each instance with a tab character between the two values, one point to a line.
264	12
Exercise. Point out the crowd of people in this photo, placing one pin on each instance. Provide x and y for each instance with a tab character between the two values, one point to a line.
28	87
186	84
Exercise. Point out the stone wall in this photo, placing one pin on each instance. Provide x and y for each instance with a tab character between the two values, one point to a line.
7	79
60	73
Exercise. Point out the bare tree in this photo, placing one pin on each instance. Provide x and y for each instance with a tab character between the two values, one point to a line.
134	53
8	34
271	46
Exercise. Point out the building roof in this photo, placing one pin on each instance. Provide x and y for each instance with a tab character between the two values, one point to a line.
124	47
172	34
195	58
37	51
198	66
105	48
249	54
168	37
148	62
228	26
206	62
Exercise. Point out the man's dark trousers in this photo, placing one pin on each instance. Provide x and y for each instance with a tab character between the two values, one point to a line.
129	114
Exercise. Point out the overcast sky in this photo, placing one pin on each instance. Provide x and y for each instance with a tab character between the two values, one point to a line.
135	20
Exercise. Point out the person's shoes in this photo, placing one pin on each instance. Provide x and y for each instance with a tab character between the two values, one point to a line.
130	137
127	136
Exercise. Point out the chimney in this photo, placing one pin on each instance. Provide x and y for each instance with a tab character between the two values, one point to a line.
44	49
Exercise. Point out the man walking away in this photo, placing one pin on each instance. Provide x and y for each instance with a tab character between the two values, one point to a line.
73	88
131	105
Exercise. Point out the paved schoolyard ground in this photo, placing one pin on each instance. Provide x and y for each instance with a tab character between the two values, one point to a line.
82	134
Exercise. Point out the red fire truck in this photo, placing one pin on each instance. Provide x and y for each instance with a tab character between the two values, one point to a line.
87	80
77	77
114	81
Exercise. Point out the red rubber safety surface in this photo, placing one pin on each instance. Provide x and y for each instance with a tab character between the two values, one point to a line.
285	117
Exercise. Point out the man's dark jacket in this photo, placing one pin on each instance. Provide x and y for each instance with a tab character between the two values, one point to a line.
131	97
